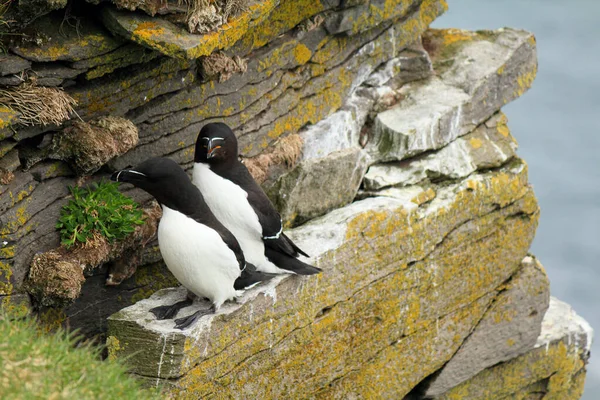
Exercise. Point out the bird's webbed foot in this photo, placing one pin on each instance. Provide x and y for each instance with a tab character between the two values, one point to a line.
169	312
182	323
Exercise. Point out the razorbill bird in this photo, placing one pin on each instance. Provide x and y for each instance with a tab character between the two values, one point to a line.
241	204
198	250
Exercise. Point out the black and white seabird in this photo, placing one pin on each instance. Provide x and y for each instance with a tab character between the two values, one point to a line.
241	205
198	250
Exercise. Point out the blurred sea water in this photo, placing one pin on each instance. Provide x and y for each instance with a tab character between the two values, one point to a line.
557	125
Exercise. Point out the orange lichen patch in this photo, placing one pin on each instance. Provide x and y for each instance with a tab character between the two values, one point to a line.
445	43
302	54
376	14
532	41
330	49
16	306
503	130
451	36
226	37
424	197
19	218
524	81
148	30
475	143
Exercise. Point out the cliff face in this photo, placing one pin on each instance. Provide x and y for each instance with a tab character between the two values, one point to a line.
383	145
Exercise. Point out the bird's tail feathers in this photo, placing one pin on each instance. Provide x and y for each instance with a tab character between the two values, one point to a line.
288	263
251	276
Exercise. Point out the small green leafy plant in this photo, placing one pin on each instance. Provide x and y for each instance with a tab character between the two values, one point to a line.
98	210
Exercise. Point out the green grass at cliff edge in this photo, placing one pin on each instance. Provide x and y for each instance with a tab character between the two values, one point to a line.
36	365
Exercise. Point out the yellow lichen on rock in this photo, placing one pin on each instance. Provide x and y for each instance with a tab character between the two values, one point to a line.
559	361
285	16
5	278
302	54
173	41
7	117
392	301
114	346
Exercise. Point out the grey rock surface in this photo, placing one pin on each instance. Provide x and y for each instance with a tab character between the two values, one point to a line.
489	145
493	71
11	64
510	327
308	191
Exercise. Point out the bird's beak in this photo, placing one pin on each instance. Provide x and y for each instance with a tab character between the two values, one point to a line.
127	175
211	152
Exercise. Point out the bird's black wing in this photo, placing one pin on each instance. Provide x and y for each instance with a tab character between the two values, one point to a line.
268	217
233	244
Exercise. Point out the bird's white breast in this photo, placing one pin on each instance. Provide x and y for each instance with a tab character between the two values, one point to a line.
229	203
197	256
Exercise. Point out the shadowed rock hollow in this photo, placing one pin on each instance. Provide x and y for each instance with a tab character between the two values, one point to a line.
382	143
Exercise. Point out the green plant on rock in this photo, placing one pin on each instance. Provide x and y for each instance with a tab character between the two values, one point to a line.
98	210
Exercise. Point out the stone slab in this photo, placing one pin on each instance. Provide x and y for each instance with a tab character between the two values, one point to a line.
509	328
171	40
489	145
393	271
11	64
308	190
89	41
554	369
476	78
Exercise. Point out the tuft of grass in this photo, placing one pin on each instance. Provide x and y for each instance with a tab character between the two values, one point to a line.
223	66
38	104
36	365
285	151
99	209
207	15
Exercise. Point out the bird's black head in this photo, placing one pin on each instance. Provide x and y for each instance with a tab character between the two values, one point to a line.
216	143
164	179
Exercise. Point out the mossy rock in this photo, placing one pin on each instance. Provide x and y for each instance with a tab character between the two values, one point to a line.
89	41
172	40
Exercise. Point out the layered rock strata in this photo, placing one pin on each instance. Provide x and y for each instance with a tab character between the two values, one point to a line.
383	145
